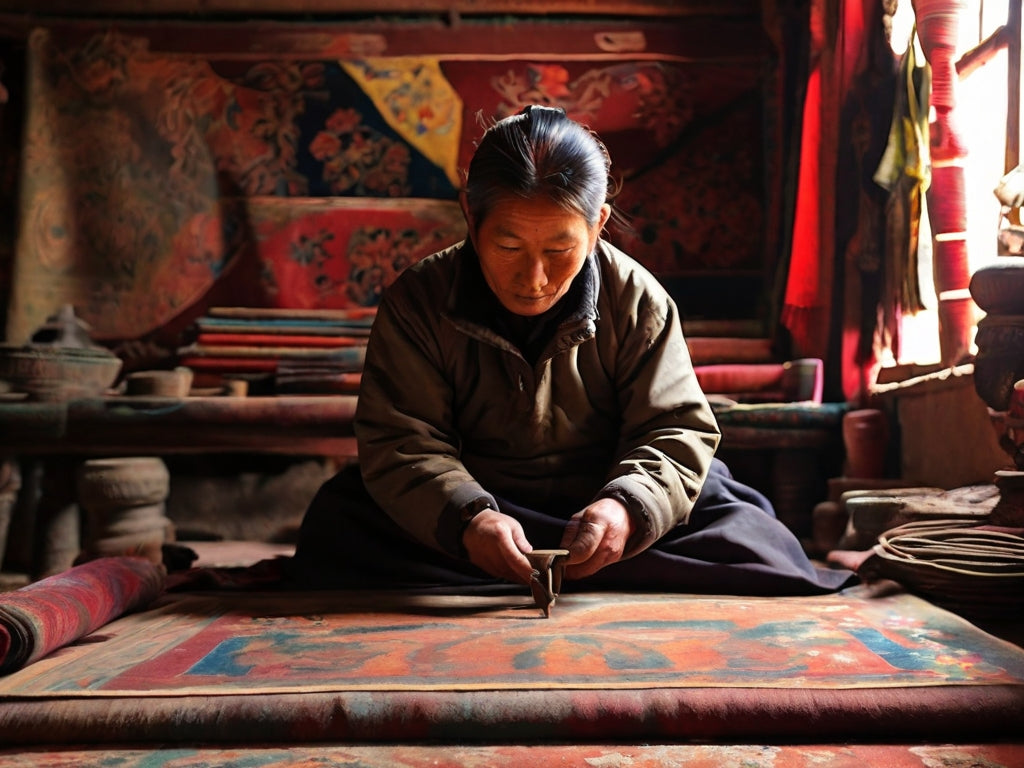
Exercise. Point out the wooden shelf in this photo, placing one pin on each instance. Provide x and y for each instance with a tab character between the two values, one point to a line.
297	425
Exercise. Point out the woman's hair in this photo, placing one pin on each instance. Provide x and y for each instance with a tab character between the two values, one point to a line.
539	152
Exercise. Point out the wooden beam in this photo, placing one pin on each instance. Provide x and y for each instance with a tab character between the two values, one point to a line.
299	8
983	52
1012	153
732	40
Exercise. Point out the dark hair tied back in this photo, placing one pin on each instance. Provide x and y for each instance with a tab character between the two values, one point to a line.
539	152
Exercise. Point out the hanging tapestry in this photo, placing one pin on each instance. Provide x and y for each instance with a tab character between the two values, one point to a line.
168	167
140	169
685	139
326	254
413	96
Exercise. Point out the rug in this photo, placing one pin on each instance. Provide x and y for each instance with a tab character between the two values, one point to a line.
286	643
515	756
50	613
352	667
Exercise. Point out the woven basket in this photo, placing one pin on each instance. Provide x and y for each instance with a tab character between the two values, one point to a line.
969	568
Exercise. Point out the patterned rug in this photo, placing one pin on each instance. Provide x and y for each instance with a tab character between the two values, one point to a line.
585	756
210	646
285	667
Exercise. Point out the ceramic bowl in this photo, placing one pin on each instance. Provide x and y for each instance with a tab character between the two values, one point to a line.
175	383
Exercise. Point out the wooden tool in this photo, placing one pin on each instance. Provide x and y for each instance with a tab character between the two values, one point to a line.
546	580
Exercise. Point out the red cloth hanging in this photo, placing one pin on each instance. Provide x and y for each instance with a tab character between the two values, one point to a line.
802	310
839	45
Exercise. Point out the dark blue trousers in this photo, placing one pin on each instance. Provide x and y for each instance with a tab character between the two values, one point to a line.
732	544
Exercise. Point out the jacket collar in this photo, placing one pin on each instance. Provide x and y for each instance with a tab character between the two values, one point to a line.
471	299
471	304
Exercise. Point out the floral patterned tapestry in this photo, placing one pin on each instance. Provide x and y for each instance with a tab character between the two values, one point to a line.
155	176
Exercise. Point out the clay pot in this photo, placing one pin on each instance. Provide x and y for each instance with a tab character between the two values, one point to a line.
124	504
998	288
58	373
999	363
866	439
132	481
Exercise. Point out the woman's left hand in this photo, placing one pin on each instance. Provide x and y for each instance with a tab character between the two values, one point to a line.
595	537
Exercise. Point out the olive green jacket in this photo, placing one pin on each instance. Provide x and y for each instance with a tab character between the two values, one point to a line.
450	412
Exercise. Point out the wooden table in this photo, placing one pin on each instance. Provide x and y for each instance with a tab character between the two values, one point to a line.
49	440
105	426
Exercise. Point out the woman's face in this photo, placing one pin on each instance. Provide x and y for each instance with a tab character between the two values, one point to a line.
530	251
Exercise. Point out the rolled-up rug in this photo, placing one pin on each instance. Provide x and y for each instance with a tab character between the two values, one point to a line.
55	611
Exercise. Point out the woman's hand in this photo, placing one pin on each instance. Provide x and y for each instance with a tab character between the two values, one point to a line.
496	543
596	537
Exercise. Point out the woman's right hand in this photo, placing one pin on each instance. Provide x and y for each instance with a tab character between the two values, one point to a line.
497	544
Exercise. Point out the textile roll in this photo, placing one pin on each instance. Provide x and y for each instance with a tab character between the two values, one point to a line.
60	609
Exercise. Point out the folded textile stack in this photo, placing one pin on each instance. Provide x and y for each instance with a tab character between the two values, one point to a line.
300	350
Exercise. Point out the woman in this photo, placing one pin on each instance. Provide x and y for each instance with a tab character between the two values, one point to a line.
531	388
